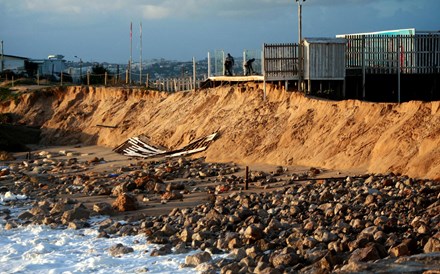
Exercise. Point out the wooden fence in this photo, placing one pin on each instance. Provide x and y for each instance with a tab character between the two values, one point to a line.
176	84
281	61
381	54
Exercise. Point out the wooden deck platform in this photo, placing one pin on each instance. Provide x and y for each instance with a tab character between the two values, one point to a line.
236	78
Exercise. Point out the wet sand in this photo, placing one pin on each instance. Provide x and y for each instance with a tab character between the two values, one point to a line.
114	162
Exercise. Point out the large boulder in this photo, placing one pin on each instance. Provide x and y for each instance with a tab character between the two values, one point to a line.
77	213
119	249
433	244
125	202
253	232
370	252
198	258
103	208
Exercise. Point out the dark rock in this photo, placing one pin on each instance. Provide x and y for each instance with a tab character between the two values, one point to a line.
186	235
119	249
76	224
125	202
285	260
103	208
169	230
399	250
60	207
161	251
172	195
369	253
25	215
181	248
231	268
433	244
198	258
76	213
253	232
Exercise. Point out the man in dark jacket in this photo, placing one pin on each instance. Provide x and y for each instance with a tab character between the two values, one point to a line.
229	64
248	67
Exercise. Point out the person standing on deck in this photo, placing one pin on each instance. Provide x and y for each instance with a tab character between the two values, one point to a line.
229	64
248	67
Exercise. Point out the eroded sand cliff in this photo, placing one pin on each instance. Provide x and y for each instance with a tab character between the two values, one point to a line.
285	129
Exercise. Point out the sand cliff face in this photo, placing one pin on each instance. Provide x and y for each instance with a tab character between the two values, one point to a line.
286	129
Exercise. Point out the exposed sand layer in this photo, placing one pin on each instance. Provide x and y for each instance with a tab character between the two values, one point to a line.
286	129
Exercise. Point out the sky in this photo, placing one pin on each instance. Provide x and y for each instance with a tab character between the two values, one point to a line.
99	30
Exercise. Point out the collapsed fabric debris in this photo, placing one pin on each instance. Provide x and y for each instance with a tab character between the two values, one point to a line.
140	146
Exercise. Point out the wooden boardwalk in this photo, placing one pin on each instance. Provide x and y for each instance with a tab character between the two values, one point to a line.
237	78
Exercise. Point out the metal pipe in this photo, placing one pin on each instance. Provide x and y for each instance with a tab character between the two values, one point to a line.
300	53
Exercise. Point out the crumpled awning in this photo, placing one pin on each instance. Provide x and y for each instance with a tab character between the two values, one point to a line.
140	146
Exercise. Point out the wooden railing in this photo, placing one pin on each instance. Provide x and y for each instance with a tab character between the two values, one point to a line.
281	61
176	84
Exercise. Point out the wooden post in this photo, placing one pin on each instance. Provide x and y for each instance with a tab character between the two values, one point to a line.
105	78
246	180
126	76
194	73
398	68
147	81
363	67
244	62
343	88
300	53
38	78
61	78
12	80
263	71
209	65
88	78
223	63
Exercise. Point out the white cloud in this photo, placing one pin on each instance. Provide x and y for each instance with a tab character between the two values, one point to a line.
149	9
155	12
163	9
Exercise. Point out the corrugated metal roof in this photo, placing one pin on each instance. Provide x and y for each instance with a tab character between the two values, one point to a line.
325	40
15	57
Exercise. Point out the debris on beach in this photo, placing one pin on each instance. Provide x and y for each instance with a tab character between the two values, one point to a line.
140	146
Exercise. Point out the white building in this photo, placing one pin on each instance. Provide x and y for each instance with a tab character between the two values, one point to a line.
12	63
53	65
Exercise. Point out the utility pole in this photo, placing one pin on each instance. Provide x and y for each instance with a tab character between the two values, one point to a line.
300	45
131	52
140	67
2	61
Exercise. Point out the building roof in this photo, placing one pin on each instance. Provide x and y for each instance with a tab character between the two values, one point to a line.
410	31
14	57
324	40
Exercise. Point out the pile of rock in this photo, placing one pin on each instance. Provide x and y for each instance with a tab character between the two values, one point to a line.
318	226
312	228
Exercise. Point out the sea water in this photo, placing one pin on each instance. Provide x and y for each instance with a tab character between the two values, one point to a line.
41	249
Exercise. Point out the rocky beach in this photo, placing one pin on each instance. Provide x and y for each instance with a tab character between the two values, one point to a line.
365	199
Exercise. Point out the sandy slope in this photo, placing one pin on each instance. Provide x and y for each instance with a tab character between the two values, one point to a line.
286	129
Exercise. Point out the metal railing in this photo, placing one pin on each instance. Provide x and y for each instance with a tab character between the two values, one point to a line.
217	61
382	54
